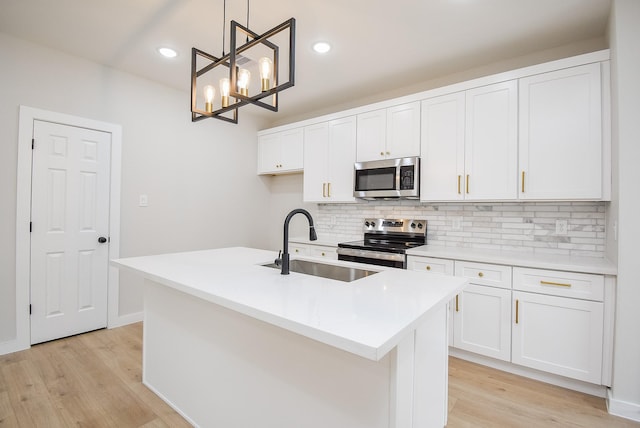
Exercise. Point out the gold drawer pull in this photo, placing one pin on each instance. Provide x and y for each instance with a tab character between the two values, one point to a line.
459	178
480	274
467	186
517	311
428	267
324	190
522	181
328	190
457	309
323	254
557	284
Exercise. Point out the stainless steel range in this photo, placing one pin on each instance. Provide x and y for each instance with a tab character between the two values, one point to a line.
385	242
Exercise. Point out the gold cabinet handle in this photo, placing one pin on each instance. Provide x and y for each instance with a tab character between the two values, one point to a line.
328	190
467	184
428	267
517	311
522	181
480	274
459	179
324	190
297	250
381	153
457	308
388	153
323	254
557	284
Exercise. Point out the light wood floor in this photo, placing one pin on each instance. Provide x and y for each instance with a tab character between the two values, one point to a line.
94	380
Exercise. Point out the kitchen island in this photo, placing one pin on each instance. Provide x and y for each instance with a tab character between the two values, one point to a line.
231	343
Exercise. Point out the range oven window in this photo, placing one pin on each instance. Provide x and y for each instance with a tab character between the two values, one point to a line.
376	179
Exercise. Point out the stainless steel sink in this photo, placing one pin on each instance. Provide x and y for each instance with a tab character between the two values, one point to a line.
340	273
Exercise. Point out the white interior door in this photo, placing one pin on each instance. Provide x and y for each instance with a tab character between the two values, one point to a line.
69	215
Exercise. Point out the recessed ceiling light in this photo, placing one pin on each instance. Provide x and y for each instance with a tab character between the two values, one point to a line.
167	52
322	47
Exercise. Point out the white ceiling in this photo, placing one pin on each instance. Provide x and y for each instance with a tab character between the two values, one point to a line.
378	45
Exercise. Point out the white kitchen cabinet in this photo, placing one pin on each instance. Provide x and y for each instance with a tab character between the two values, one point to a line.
435	265
558	335
280	152
329	155
560	143
442	148
323	251
482	311
389	133
482	321
469	145
559	322
372	135
430	265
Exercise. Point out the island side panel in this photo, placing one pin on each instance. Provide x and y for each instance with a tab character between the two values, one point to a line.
220	368
431	377
419	374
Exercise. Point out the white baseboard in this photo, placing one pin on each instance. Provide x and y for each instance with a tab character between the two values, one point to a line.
561	381
121	320
623	409
12	346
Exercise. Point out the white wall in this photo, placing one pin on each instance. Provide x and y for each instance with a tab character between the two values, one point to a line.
624	35
198	176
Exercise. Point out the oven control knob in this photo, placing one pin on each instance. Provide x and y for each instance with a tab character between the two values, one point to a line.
366	223
413	225
419	225
373	224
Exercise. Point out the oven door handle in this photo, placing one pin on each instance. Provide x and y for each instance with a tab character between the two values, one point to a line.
368	254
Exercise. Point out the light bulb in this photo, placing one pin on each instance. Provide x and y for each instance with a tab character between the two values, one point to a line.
209	94
224	91
243	81
266	68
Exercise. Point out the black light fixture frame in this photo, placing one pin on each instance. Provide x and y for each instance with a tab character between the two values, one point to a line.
231	61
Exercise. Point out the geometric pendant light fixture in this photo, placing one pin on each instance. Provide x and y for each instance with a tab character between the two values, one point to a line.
253	71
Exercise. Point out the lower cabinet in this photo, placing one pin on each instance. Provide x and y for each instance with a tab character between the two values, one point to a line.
482	321
482	312
559	322
547	320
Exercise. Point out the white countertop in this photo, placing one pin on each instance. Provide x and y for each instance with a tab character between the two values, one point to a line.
540	261
367	317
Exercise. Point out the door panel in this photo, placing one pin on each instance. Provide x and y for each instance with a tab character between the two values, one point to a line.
70	211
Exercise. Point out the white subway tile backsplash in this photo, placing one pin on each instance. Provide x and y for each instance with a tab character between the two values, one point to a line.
509	226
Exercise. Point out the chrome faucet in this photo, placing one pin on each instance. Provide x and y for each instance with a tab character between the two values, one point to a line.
285	245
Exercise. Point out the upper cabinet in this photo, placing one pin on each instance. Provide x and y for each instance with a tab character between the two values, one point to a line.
537	133
561	150
280	152
469	145
389	133
329	154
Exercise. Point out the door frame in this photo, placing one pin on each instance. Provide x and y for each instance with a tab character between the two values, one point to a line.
23	216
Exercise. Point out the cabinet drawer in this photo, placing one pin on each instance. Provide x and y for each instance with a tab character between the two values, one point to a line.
298	250
485	274
321	251
558	283
430	264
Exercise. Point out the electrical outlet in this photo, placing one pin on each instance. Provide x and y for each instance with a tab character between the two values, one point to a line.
143	201
456	223
562	227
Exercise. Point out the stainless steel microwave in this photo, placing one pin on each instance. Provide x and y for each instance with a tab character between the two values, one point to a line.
387	179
